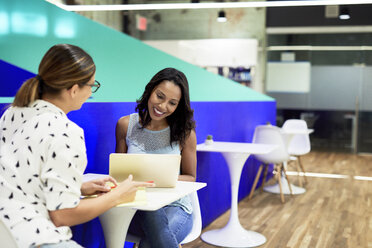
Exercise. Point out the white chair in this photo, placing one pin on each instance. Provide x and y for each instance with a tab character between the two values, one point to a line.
6	238
268	134
196	227
298	143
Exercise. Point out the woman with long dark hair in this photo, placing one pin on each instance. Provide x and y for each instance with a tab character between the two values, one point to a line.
164	124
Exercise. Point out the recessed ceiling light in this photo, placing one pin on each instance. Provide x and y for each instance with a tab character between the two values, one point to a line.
344	13
221	16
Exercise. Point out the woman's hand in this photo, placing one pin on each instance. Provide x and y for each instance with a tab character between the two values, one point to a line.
126	191
97	186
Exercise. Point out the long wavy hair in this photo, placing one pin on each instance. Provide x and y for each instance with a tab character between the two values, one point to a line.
181	121
62	66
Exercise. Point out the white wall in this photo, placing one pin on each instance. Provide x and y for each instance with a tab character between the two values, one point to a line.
211	52
288	77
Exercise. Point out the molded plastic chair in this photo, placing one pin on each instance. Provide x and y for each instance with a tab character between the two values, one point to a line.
268	134
196	227
297	144
6	238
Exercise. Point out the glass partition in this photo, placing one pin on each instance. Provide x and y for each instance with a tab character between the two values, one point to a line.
337	104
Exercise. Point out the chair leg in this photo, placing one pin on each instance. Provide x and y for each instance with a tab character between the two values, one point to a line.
302	168
289	183
280	183
264	177
255	182
298	173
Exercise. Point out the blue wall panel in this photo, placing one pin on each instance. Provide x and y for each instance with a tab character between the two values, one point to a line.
12	78
98	121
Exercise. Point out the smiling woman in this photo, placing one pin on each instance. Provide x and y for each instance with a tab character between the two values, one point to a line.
164	125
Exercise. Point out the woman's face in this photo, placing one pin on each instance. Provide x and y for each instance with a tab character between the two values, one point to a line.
164	100
84	92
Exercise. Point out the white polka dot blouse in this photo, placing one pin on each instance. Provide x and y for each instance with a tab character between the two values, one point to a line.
42	160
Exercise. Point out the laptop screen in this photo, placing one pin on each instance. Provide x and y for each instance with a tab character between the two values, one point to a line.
163	169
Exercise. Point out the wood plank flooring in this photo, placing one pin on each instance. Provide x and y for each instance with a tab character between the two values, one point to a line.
334	212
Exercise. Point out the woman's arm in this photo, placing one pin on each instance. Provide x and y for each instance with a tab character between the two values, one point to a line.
188	161
121	134
92	207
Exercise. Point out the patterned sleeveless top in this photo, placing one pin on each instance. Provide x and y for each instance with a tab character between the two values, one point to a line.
142	140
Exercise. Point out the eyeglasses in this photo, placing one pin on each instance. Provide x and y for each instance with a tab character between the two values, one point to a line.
95	86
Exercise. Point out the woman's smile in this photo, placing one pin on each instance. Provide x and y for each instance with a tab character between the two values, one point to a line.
158	112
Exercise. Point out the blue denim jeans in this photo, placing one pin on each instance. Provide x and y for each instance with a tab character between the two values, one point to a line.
164	228
63	244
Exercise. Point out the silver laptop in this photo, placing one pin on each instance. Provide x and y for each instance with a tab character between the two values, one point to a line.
163	169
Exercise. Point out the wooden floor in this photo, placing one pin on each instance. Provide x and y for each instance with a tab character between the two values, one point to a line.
334	212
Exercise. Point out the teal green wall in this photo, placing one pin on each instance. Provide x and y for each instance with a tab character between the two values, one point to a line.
124	64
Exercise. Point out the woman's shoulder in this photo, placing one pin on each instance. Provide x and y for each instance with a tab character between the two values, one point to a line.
124	121
58	124
127	121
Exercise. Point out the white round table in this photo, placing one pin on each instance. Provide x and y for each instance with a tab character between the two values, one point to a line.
233	234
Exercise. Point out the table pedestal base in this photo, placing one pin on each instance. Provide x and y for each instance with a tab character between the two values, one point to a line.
115	223
276	190
233	236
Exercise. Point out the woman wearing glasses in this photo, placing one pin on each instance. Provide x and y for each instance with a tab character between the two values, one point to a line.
43	157
164	124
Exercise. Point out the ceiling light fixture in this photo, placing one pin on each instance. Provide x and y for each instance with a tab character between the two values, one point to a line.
220	5
221	16
344	14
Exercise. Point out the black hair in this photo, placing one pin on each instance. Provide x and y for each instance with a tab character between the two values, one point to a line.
181	121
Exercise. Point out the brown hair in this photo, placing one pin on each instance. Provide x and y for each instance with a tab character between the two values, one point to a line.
62	67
